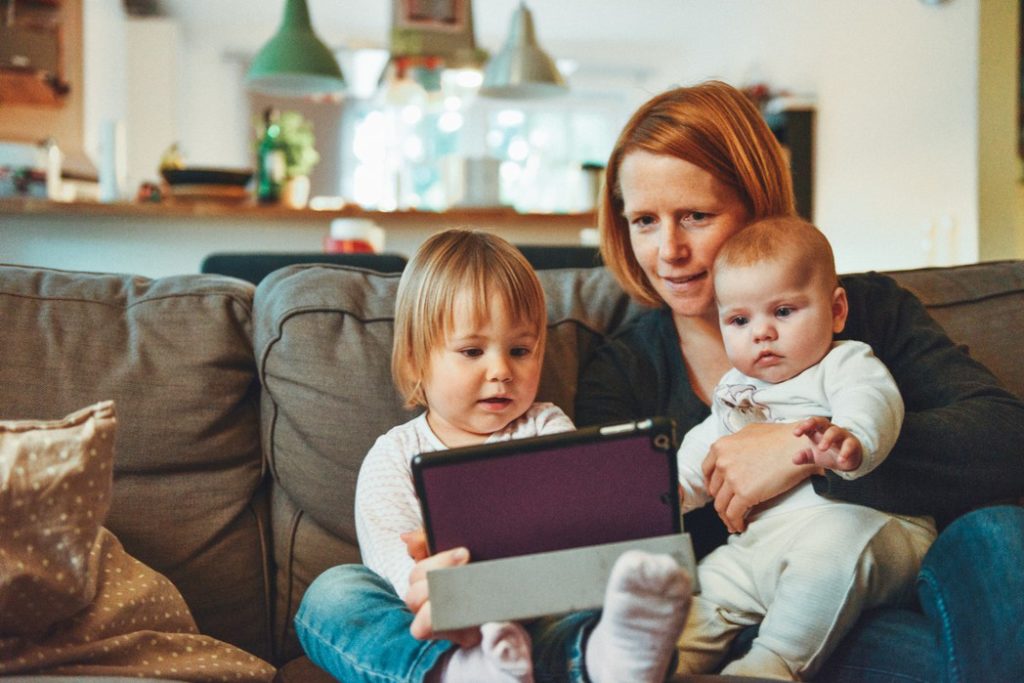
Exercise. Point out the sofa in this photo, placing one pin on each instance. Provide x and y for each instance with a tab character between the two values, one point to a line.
243	412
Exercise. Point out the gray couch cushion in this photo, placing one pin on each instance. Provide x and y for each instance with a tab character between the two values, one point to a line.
323	347
979	305
175	355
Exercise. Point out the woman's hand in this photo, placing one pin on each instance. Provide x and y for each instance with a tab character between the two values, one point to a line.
417	598
752	466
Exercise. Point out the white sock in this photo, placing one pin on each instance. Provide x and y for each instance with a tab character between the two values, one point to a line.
645	608
503	656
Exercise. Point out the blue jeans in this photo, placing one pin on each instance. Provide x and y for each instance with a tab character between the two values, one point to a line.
972	626
353	625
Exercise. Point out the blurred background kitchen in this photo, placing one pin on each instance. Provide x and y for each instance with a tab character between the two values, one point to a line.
902	118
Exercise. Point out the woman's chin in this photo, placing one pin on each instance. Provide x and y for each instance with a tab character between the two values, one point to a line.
692	307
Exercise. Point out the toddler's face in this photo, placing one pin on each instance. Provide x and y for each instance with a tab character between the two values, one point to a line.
484	376
775	324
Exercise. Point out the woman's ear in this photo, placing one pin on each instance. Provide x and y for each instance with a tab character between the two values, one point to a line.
840	309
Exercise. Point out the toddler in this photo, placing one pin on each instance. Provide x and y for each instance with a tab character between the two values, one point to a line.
805	566
470	323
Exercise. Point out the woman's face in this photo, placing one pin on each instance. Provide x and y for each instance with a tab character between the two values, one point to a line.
679	216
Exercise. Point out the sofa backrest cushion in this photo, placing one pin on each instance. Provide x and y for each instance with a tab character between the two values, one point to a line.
981	306
323	347
175	355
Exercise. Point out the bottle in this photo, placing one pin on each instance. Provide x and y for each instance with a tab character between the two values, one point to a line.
53	160
270	160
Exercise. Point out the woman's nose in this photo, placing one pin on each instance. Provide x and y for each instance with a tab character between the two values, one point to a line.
674	245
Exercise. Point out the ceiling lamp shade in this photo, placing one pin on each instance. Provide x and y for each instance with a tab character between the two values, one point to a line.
295	62
522	69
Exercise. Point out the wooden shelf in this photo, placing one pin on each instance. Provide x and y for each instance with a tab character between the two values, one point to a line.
251	211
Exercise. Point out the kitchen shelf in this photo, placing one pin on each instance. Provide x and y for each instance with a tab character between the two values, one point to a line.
250	211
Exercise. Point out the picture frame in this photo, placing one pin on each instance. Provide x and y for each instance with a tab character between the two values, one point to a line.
433	15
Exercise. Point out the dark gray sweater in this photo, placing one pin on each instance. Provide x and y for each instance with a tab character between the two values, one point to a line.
962	442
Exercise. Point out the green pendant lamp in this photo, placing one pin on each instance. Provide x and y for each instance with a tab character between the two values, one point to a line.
522	69
295	62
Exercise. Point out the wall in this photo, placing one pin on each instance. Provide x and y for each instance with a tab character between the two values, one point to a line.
151	114
896	86
94	54
64	123
914	160
1001	196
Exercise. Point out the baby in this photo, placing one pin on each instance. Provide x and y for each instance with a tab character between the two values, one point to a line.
805	567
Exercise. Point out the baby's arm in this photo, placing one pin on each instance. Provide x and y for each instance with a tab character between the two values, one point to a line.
864	402
831	447
693	488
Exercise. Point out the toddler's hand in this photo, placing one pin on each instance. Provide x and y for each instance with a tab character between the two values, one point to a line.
417	598
832	446
416	544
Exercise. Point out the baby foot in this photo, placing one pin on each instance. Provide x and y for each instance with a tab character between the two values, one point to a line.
503	656
645	607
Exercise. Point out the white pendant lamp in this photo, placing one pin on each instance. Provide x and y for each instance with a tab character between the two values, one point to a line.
522	69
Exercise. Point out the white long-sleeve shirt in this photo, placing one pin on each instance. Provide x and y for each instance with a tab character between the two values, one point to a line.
849	385
386	503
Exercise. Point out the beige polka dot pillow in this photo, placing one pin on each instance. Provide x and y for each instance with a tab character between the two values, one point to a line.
72	601
55	483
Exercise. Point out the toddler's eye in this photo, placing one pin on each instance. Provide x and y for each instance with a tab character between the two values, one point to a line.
784	311
738	320
520	351
471	352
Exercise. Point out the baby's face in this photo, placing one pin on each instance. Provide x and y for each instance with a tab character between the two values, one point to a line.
776	322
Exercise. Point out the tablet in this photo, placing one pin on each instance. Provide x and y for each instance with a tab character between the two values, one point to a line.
593	486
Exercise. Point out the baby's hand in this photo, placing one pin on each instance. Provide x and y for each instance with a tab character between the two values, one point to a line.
832	446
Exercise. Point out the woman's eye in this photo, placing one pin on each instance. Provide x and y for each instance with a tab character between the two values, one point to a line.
696	218
642	222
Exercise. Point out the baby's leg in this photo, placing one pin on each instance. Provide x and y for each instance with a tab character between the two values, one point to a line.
645	606
503	656
728	602
838	560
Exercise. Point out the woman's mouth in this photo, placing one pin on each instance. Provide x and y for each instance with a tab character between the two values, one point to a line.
684	280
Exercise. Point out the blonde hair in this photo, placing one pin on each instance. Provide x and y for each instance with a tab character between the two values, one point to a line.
449	264
714	126
788	239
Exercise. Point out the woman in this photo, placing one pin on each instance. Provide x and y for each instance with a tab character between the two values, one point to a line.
692	167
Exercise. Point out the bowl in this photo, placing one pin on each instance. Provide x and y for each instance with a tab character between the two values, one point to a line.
206	176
